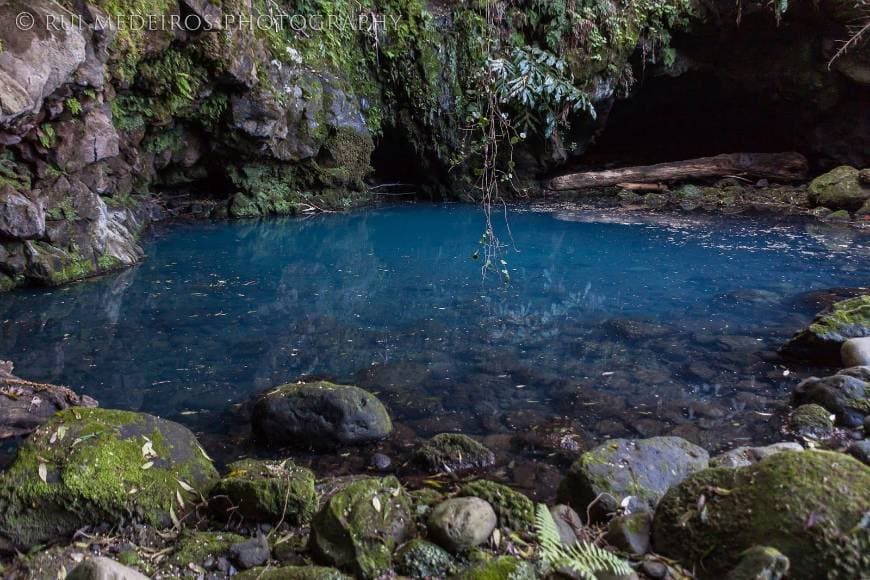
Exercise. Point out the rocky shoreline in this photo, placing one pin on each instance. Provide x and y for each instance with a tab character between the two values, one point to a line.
135	494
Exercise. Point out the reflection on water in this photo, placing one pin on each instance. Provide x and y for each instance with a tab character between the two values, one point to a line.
630	330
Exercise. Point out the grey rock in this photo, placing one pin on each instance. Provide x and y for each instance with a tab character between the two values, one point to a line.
319	414
381	462
568	522
82	142
760	563
843	395
743	456
856	352
20	216
462	523
104	569
860	450
209	12
254	552
641	470
861	373
631	533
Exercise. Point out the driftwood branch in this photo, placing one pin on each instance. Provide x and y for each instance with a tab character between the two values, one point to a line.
779	166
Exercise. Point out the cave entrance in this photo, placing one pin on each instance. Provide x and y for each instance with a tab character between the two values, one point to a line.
694	115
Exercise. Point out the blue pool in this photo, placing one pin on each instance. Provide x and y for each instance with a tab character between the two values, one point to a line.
620	329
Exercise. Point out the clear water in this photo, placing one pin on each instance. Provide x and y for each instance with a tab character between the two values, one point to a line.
390	299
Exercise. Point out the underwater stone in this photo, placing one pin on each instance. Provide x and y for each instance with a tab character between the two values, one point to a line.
319	414
455	452
641	470
806	505
265	491
90	466
461	523
360	526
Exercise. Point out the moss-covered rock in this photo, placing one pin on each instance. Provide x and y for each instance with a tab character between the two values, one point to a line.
265	491
454	452
641	470
421	559
360	526
845	396
88	466
822	340
812	421
760	563
515	511
293	573
806	505
839	189
319	414
195	547
503	568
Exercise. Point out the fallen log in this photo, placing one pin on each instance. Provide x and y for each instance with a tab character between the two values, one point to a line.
25	405
778	166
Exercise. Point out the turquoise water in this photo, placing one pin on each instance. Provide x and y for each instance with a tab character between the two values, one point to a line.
618	329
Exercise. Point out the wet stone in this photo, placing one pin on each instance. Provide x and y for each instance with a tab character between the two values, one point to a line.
744	456
454	452
462	523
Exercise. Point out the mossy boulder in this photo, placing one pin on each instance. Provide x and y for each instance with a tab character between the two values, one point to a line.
812	421
641	470
515	511
823	339
265	491
360	526
846	396
421	559
293	573
760	563
89	466
195	547
503	568
318	414
454	452
839	189
808	505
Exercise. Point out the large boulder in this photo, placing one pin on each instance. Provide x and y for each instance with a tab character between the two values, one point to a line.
808	505
265	491
843	395
358	528
320	413
90	466
20	217
36	59
839	189
639	471
823	339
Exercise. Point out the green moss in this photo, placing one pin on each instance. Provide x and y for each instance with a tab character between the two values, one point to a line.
65	210
422	559
292	573
515	511
106	262
503	568
12	173
96	470
73	266
455	452
807	505
195	547
266	491
359	527
854	312
812	421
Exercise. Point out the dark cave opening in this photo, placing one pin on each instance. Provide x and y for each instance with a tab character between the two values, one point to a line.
695	115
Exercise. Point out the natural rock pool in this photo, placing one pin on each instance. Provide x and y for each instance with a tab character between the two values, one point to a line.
607	329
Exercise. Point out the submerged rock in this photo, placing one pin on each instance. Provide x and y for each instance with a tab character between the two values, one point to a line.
823	339
265	491
843	395
455	452
359	527
318	414
760	563
641	470
808	505
743	456
89	466
839	189
104	569
461	523
515	511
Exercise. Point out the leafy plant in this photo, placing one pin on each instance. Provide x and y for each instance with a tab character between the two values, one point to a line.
74	106
47	136
585	559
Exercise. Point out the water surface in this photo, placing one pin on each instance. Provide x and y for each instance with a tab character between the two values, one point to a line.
616	329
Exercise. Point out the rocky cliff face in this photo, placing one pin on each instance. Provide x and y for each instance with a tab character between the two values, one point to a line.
109	120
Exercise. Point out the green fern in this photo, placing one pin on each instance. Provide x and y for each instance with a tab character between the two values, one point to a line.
584	559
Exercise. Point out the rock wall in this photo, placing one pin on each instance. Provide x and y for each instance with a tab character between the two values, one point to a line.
108	122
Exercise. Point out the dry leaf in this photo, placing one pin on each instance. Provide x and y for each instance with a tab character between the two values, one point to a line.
185	486
148	465
174	518
43	472
376	503
180	500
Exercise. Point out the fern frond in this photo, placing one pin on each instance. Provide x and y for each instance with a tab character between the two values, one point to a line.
585	559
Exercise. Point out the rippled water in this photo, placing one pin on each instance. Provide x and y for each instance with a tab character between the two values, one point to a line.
620	329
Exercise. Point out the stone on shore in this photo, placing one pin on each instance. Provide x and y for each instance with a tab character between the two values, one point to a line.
514	510
760	563
822	340
812	422
843	395
104	569
462	523
839	189
856	352
743	456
